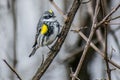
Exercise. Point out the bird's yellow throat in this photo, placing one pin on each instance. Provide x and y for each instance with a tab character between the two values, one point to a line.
44	29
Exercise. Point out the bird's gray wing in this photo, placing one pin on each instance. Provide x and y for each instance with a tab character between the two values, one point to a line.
56	23
40	23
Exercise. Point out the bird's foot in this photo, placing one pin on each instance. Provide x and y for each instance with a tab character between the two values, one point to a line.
51	48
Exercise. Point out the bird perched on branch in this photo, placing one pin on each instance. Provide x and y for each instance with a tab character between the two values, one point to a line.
48	29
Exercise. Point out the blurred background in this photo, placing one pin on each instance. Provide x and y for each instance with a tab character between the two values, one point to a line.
18	21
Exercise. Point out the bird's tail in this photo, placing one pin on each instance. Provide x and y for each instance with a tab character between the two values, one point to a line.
33	52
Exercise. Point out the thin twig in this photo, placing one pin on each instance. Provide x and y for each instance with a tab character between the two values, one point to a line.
107	16
12	69
72	74
111	23
96	49
86	2
106	55
42	60
14	34
73	54
111	53
57	46
100	38
104	5
88	42
98	31
58	9
116	29
113	18
115	37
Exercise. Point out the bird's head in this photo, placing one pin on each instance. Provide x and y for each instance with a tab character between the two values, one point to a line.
48	14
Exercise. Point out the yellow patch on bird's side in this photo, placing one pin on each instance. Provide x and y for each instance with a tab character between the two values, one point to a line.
50	11
44	29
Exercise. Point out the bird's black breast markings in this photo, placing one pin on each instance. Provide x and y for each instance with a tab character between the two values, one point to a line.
50	29
50	32
43	40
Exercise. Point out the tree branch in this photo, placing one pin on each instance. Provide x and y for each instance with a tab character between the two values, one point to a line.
88	42
57	46
96	49
113	18
107	16
104	8
12	69
14	35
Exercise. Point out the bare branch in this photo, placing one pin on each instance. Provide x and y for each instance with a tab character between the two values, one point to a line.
112	23
58	9
73	54
12	69
86	2
111	53
72	74
98	31
107	16
115	37
88	42
96	49
103	6
14	34
113	18
42	60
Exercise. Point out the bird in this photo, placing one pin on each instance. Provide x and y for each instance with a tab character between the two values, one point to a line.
48	29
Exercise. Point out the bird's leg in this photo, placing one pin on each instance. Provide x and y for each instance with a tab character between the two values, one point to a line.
58	35
51	49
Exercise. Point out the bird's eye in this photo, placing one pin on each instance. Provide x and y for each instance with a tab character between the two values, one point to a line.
46	17
50	15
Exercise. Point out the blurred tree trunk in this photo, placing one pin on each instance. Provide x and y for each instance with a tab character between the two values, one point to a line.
14	35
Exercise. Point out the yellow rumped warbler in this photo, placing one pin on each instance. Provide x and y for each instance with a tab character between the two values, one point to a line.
48	29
